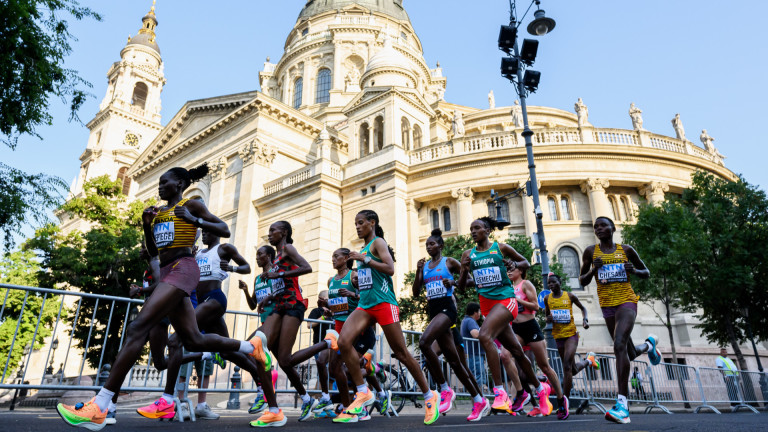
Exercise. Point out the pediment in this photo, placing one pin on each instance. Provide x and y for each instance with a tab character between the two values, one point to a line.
354	7
374	95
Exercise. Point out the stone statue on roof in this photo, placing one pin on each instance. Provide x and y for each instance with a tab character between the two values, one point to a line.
582	113
678	125
636	114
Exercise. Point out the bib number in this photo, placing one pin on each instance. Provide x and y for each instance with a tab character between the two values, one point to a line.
278	285
611	273
487	277
364	279
339	305
561	316
164	234
263	293
436	289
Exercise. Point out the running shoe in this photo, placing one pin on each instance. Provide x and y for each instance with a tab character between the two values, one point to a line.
479	410
205	412
501	401
159	409
369	365
111	418
331	413
654	355
545	406
260	351
322	405
430	406
520	402
385	401
219	360
361	401
342	416
270	419
307	408
446	400
535	412
259	405
618	414
87	415
592	358
365	416
332	336
564	412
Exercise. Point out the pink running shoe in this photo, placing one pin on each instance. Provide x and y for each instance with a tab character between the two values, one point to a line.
479	410
446	400
545	406
535	412
501	401
520	402
159	409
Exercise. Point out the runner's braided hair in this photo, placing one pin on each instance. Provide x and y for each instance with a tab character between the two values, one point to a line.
288	231
188	177
489	222
371	215
437	235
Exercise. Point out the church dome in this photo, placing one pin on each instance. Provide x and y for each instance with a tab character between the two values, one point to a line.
388	68
387	57
145	39
393	8
146	34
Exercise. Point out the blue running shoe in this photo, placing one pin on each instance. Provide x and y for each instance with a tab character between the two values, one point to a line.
219	361
307	408
259	405
618	414
322	405
654	355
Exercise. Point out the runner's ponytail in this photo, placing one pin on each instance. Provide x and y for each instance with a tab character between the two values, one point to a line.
188	177
371	216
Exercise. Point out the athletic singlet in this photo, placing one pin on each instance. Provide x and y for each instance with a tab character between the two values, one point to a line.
172	232
210	265
613	287
285	289
261	290
490	274
433	280
520	294
561	309
341	306
375	286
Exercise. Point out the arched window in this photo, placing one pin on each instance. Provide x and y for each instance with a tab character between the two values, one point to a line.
378	133
552	208
298	88
323	94
446	219
416	136
435	216
627	208
139	97
124	180
364	139
565	208
569	258
504	209
614	208
405	128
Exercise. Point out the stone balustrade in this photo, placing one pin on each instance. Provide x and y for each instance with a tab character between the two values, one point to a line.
309	38
320	167
355	20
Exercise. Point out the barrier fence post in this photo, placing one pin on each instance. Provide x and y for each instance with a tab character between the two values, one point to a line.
234	397
704	403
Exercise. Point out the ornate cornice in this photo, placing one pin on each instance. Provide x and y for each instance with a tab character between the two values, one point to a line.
463	194
218	168
594	185
653	188
257	151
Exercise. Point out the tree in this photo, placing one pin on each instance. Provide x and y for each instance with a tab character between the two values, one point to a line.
103	260
20	268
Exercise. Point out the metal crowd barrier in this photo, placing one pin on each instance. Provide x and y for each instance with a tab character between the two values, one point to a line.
657	387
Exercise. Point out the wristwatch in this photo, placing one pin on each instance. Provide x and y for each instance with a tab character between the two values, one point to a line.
367	260
199	222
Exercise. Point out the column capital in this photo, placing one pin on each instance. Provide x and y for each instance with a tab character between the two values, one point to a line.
218	168
257	151
412	205
653	188
462	194
594	185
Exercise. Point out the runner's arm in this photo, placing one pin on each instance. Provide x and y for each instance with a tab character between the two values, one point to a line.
231	253
510	252
575	300
587	271
530	292
192	210
637	266
293	254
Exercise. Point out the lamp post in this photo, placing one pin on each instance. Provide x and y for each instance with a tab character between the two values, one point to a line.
54	345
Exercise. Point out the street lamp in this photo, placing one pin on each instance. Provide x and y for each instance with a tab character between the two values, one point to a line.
54	345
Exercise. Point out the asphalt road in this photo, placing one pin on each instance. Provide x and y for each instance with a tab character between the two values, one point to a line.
46	420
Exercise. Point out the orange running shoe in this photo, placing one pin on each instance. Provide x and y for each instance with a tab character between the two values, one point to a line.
270	419
159	409
87	415
332	336
369	366
260	352
431	406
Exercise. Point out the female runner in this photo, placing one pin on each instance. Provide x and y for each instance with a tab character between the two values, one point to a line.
436	275
169	232
487	262
377	305
611	264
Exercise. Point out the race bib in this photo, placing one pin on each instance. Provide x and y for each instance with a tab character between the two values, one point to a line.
262	291
278	285
164	233
436	289
205	266
610	273
364	279
338	305
561	316
486	277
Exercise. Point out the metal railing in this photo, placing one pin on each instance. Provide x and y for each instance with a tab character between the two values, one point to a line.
102	320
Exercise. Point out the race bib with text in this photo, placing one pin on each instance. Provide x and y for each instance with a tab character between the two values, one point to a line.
164	234
364	279
485	277
561	316
436	289
338	305
610	273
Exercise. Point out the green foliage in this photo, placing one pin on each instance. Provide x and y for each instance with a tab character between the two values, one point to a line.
20	268
103	260
34	41
24	197
413	310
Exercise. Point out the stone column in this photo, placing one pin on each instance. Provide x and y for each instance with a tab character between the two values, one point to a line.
654	192
598	202
413	229
464	197
218	171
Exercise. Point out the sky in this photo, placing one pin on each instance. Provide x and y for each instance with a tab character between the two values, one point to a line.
667	57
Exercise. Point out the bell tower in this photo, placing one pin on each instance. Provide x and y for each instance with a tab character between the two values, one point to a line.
129	115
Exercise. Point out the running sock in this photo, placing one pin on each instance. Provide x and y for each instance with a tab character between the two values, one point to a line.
444	387
327	341
202	405
112	407
648	344
622	400
104	398
206	356
499	388
477	398
362	389
428	395
274	410
305	398
540	388
259	389
382	394
245	347
325	396
168	398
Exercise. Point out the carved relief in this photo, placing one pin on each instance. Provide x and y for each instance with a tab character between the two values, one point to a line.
462	194
218	168
256	151
594	185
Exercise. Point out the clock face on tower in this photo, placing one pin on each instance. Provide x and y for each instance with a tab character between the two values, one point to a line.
131	140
